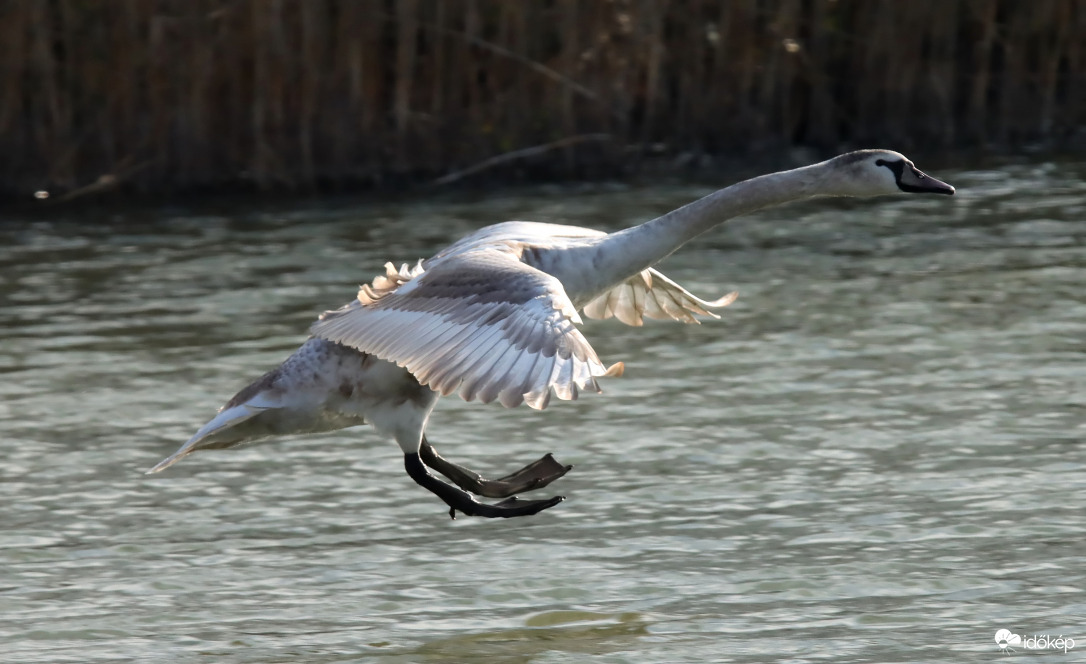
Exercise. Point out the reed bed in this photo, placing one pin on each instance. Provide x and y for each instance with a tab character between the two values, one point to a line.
160	95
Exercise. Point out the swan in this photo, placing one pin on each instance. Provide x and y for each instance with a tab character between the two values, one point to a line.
494	317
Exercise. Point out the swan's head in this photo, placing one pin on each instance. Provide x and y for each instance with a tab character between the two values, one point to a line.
879	172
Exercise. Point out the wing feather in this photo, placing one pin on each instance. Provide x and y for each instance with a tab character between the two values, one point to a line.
494	382
463	362
478	372
478	322
649	294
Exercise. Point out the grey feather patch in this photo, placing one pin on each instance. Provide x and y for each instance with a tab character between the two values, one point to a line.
480	323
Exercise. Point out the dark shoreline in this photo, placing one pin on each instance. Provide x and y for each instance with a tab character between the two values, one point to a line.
210	96
711	170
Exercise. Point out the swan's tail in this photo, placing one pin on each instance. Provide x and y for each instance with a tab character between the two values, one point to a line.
313	390
218	433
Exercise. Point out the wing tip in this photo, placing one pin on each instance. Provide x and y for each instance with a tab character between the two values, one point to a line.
724	301
615	370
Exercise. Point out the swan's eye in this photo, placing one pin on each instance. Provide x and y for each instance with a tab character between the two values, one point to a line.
880	162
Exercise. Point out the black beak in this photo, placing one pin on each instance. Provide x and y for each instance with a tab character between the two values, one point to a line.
914	181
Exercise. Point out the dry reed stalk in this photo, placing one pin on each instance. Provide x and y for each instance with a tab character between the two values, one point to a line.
308	93
406	49
568	61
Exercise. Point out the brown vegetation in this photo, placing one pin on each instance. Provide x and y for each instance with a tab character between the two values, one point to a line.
167	94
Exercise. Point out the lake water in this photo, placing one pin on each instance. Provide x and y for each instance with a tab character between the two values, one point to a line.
876	455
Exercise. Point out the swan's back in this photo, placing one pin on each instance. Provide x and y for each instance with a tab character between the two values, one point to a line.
516	236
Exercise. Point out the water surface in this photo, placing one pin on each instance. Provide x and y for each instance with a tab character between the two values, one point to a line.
876	454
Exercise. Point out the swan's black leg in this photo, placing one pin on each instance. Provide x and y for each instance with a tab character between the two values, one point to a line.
462	501
535	475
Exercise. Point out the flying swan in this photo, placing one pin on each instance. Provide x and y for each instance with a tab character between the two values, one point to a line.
494	317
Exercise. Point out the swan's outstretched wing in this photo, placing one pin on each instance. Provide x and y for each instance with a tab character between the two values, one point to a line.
650	293
480	322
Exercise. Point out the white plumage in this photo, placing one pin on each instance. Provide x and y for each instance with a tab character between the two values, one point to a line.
482	323
494	317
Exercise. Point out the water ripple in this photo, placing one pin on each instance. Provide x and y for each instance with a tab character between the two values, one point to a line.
875	456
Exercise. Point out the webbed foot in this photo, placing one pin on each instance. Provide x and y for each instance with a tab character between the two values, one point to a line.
461	501
535	475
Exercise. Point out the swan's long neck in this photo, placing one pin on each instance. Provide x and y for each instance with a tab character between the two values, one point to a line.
601	263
